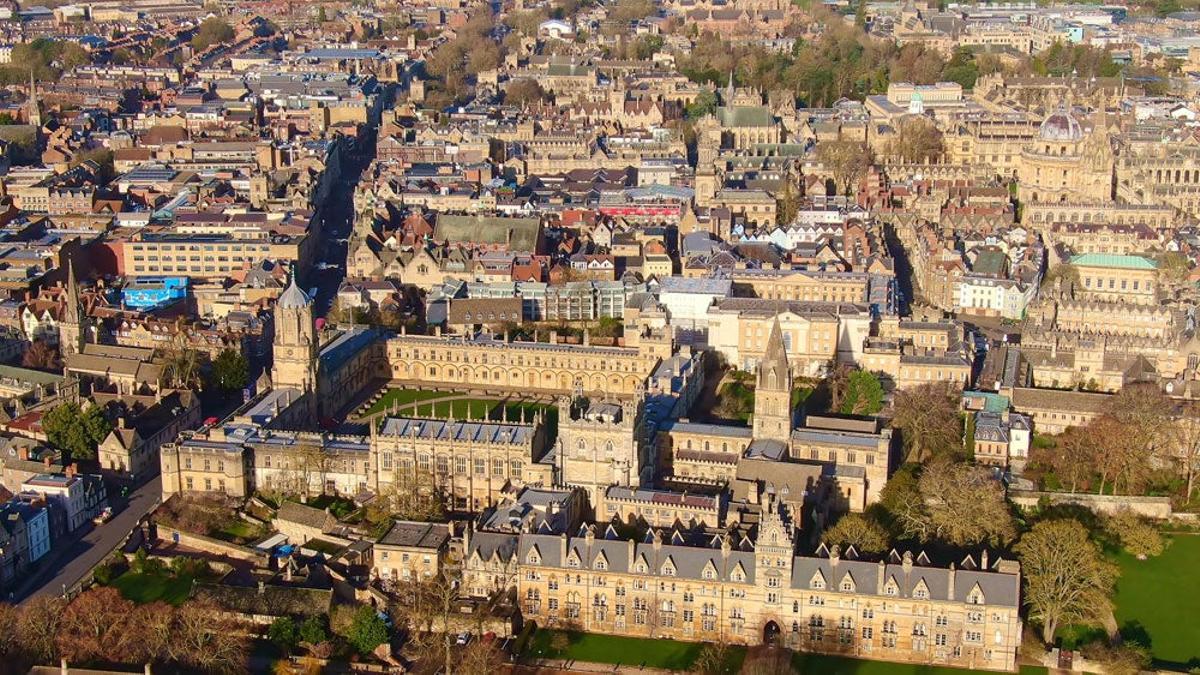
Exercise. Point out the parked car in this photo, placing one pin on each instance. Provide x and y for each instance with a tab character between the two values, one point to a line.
104	516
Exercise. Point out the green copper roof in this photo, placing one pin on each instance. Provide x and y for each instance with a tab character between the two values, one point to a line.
1129	262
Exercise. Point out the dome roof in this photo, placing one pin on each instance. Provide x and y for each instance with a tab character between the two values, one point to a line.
293	297
1060	126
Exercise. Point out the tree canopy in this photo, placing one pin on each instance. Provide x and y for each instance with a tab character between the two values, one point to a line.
1067	578
76	431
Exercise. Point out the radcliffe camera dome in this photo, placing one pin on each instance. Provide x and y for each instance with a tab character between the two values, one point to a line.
1060	126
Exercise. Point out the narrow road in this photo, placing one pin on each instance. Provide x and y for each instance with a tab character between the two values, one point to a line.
73	556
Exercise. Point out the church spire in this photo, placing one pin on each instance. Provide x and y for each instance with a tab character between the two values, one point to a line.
774	362
773	391
72	311
33	106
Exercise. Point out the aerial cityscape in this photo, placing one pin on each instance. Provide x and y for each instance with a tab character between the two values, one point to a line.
599	336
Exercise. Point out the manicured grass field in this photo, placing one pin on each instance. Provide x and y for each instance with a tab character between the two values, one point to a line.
1158	599
667	654
403	396
841	665
153	586
475	408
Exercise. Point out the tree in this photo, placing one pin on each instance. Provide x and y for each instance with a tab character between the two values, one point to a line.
524	92
212	31
1138	537
632	10
1185	437
231	370
1122	659
1067	579
313	631
1173	266
181	362
862	532
1131	436
917	141
38	626
787	203
479	657
964	505
483	56
917	63
412	495
1071	459
367	630
704	103
928	419
201	637
96	627
76	431
863	394
962	68
711	658
846	161
282	633
41	356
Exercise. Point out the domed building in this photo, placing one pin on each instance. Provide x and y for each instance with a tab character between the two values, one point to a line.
1066	162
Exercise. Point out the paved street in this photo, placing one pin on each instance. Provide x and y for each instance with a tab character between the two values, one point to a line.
70	561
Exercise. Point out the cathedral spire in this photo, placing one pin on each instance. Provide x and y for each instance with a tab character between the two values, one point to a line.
774	363
773	391
72	311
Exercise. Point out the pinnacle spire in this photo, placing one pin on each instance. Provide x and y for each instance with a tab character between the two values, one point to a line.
72	309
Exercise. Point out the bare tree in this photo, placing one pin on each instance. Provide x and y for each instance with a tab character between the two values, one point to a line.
41	356
95	626
1185	434
964	505
411	495
204	639
1071	459
846	161
928	418
917	141
181	361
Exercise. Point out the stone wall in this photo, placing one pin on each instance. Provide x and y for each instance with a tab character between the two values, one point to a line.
1158	508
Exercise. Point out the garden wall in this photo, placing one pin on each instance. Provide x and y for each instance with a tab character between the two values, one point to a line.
207	544
1158	508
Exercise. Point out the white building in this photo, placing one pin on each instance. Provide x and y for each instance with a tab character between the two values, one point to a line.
993	297
687	300
79	497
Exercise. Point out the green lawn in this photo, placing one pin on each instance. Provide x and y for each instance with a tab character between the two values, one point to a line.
667	654
403	396
475	408
1157	601
841	665
238	531
153	586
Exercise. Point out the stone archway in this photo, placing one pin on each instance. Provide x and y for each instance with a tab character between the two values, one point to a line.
771	633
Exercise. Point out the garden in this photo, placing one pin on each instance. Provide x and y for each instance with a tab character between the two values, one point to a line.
145	579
